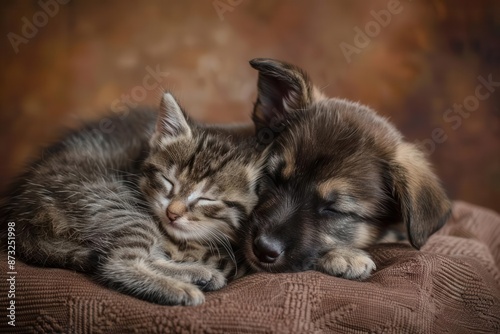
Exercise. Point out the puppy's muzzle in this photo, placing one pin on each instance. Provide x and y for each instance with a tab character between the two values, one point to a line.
267	249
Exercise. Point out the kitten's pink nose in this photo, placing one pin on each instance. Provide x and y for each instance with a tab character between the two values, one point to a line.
172	216
175	210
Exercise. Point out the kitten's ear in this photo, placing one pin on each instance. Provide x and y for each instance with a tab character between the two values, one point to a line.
423	203
282	88
172	123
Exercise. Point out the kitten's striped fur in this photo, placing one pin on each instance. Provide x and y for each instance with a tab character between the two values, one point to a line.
100	203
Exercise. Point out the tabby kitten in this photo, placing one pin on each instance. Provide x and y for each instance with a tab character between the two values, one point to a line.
149	210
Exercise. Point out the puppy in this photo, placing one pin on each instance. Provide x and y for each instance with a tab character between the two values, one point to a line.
339	177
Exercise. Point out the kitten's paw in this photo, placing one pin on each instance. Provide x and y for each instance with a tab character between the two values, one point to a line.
205	277
188	295
348	263
214	281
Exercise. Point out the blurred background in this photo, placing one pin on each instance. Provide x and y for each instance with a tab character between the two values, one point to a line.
432	67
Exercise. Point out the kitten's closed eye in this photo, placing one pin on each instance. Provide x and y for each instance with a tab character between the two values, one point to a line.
205	201
168	184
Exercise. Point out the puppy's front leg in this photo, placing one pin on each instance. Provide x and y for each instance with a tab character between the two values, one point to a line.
345	262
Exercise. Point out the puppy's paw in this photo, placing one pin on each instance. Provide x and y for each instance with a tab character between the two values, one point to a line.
347	263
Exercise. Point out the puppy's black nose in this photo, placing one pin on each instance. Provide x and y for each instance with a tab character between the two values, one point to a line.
267	249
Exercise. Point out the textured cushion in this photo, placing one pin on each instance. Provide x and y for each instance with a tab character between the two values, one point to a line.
451	286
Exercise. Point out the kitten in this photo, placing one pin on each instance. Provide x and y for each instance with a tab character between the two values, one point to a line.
149	210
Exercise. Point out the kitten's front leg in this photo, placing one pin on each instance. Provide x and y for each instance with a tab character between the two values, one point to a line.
134	265
350	263
206	277
136	276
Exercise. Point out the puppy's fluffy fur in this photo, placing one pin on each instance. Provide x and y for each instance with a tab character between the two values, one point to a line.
339	177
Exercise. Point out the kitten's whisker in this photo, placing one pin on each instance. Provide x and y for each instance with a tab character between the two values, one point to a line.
215	246
203	238
224	241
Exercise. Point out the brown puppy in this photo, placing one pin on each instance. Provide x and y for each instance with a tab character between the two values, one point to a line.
339	178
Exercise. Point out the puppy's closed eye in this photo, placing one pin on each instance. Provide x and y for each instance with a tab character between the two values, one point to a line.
332	211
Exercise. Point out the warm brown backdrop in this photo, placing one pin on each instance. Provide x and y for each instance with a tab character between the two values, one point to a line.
90	53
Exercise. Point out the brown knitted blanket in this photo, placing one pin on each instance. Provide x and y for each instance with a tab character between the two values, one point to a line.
451	286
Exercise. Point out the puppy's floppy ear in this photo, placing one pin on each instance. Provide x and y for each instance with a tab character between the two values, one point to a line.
281	88
423	202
